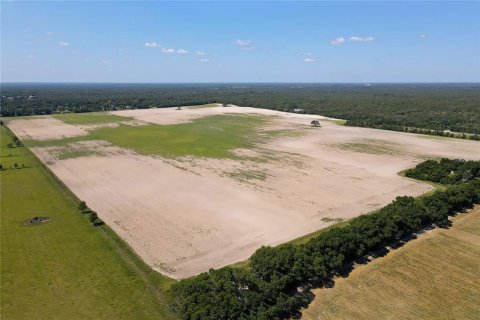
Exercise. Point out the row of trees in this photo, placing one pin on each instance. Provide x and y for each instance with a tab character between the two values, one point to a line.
92	215
277	283
445	171
394	127
428	108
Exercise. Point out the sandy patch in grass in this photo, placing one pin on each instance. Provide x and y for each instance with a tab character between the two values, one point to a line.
45	128
92	127
187	215
51	154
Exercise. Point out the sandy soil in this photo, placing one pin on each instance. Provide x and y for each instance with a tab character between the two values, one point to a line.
44	128
188	215
168	116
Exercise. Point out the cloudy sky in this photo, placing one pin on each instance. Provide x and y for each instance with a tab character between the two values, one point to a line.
132	41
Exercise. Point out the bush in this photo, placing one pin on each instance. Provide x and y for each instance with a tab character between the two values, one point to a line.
93	217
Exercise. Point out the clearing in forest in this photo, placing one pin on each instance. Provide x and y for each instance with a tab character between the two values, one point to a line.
201	188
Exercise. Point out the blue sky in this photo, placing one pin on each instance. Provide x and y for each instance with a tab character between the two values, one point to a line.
201	41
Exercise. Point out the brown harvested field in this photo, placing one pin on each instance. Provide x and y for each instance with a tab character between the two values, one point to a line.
184	215
432	277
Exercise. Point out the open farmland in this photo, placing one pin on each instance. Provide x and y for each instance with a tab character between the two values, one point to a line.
198	188
433	277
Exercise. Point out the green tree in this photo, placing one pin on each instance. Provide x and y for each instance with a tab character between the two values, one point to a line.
82	206
93	217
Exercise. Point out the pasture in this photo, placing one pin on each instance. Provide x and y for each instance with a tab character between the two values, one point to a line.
433	277
65	268
202	188
212	137
89	118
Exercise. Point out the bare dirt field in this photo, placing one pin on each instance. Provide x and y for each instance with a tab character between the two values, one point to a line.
44	128
184	215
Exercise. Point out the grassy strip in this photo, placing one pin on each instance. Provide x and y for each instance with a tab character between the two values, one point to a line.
203	106
90	118
213	137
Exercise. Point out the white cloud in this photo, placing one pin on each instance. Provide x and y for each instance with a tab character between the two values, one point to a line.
360	39
244	44
168	50
152	45
63	44
48	33
105	61
308	60
204	60
30	56
423	36
338	41
200	53
182	51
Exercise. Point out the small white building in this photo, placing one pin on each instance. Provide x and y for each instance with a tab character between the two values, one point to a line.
299	110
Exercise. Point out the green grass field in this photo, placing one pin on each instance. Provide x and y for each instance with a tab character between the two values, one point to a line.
10	156
65	268
433	277
371	146
90	118
214	136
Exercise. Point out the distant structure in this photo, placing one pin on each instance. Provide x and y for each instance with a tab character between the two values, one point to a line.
299	110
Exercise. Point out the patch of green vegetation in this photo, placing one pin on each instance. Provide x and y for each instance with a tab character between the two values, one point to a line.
339	122
57	142
433	137
203	106
247	175
245	265
329	219
437	186
90	118
67	153
283	133
66	268
214	136
371	146
11	154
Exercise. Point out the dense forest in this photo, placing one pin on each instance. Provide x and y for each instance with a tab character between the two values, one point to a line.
278	281
421	108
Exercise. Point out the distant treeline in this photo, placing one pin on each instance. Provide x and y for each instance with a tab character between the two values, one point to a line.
422	108
276	284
